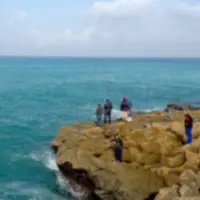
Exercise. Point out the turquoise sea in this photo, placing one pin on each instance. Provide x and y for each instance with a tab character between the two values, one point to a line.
38	95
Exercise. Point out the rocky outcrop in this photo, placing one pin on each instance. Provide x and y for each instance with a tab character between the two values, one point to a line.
189	188
154	156
181	107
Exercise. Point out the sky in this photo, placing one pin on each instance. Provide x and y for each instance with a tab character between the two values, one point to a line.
125	28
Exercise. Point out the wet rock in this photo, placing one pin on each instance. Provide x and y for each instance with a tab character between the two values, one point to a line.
174	107
181	107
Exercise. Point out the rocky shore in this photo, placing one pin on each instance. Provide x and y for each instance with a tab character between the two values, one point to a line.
156	163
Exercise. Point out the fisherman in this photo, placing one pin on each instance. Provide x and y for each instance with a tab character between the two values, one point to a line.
99	113
188	127
124	108
118	147
107	111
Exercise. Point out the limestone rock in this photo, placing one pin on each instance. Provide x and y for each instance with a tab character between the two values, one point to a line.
197	177
153	157
168	193
189	191
189	188
192	161
187	198
187	177
175	161
172	178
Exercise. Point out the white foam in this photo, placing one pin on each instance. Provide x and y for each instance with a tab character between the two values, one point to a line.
32	192
48	159
115	113
153	109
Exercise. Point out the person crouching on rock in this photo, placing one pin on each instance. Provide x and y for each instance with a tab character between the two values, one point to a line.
107	111
188	127
124	108
118	147
99	113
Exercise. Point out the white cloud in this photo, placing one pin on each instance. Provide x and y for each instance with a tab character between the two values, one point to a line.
120	7
19	15
84	36
64	37
118	28
189	9
149	22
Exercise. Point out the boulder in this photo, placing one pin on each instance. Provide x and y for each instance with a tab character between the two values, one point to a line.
168	193
153	158
198	180
174	161
187	177
189	190
173	106
94	155
187	198
192	161
178	130
181	107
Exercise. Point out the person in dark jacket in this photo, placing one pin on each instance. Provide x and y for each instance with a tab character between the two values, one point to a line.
107	111
118	149
188	127
99	113
124	108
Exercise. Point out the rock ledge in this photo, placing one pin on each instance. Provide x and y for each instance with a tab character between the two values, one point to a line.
154	157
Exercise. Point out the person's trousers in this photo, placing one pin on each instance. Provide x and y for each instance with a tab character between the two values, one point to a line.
107	117
118	154
189	135
124	115
99	120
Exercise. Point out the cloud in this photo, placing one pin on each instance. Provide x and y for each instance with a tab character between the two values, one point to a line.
120	8
19	15
64	37
148	21
114	28
189	9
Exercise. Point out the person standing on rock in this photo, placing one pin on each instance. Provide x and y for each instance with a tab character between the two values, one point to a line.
99	113
107	111
124	108
188	127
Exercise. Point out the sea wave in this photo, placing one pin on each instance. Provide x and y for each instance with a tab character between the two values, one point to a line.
15	189
48	159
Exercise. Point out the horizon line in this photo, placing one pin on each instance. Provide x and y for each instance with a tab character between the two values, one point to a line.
99	57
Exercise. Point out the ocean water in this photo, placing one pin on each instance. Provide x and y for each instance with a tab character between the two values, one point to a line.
38	95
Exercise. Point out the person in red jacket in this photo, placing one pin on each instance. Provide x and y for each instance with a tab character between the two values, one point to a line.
188	127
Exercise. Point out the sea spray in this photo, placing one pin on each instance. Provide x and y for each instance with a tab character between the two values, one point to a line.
48	159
